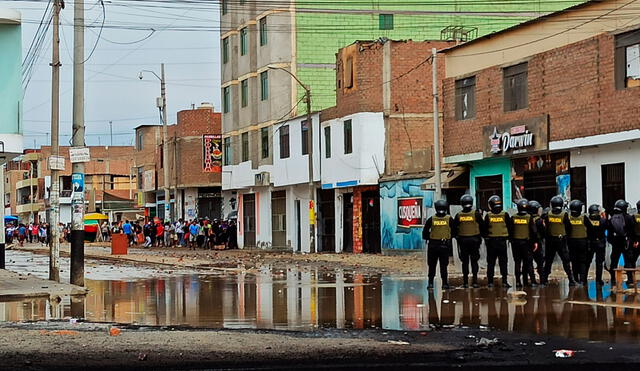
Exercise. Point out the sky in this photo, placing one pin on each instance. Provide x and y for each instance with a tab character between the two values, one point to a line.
113	91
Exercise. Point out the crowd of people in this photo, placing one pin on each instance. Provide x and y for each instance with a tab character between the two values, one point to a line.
33	233
536	236
203	233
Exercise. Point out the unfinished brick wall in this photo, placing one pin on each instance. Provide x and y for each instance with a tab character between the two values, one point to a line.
574	85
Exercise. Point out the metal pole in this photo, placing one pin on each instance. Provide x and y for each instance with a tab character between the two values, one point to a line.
312	202
54	193
77	202
3	232
165	148
436	126
110	133
31	216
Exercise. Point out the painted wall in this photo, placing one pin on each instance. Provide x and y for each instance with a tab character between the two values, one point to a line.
365	163
593	158
295	168
488	167
10	82
394	237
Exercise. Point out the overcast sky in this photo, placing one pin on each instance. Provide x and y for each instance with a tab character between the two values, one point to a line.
113	91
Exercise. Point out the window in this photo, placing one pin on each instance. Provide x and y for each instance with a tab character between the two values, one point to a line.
226	100
225	50
348	141
327	142
244	92
304	128
263	31
140	142
264	85
244	41
245	146
466	98
515	87
579	183
139	179
264	139
627	60
386	21
612	185
225	7
227	152
348	73
284	141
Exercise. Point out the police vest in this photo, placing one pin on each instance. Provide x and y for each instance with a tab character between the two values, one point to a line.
521	229
497	226
468	226
539	230
598	232
636	229
440	228
556	224
578	229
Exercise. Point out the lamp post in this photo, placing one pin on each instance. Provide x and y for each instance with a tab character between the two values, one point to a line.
162	105
312	202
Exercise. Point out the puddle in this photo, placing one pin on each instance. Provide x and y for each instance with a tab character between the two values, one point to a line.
299	299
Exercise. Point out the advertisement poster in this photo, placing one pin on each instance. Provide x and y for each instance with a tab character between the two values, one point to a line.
410	212
212	153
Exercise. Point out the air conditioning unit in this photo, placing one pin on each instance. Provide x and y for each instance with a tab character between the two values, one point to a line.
262	179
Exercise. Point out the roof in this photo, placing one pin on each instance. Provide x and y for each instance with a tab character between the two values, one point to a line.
9	16
523	24
146	125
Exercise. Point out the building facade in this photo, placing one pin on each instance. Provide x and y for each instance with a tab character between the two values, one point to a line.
11	142
549	107
270	51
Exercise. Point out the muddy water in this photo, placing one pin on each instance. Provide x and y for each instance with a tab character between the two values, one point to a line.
299	299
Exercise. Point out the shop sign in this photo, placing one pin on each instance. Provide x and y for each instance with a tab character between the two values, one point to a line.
79	154
517	137
149	180
410	212
212	153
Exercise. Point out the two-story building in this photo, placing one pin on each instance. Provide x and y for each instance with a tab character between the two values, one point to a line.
550	106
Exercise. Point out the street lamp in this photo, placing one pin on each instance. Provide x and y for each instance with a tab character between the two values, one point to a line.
312	214
162	105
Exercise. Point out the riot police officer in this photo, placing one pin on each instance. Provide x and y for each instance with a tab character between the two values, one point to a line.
438	234
497	225
557	223
522	233
578	241
596	227
467	226
537	252
619	233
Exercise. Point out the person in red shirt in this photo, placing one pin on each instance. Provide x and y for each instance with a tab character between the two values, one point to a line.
160	233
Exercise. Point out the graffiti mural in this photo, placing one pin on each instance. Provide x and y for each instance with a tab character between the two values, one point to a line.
393	235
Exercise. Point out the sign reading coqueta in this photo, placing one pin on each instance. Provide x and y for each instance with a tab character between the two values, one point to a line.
523	136
410	212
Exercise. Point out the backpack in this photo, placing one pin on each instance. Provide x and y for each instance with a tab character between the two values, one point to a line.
618	225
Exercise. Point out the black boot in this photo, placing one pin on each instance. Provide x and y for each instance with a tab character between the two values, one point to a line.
474	282
489	282
505	283
430	286
465	282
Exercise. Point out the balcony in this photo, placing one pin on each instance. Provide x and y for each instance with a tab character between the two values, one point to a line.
27	208
26	183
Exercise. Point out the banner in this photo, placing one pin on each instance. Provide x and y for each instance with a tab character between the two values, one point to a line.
410	212
212	153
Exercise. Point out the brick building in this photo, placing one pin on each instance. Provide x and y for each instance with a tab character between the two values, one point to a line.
195	165
549	107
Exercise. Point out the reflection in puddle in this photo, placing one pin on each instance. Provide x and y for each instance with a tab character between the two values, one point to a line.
300	299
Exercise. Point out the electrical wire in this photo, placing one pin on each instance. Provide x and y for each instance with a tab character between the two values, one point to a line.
104	16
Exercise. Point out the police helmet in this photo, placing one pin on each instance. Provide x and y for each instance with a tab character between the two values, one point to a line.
594	209
442	207
522	205
621	206
534	207
467	202
576	207
556	204
495	204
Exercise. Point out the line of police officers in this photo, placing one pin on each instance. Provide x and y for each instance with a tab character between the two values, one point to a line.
536	236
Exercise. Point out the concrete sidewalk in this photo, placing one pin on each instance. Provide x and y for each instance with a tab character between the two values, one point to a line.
14	286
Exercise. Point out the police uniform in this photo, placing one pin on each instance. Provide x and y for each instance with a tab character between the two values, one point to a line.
522	231
437	232
496	235
578	245
622	245
537	248
557	225
467	227
596	235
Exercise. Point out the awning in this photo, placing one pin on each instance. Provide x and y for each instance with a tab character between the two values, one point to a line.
452	178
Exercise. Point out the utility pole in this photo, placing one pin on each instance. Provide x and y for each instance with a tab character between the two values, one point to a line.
165	147
77	201
312	196
54	193
31	216
110	133
3	232
436	126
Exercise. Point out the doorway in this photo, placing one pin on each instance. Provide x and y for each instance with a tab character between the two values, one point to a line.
279	219
487	186
540	185
327	219
371	222
612	185
249	219
298	227
347	225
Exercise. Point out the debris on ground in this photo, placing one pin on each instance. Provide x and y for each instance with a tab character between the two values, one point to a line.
398	342
484	342
540	343
142	357
59	332
564	353
114	331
